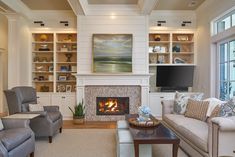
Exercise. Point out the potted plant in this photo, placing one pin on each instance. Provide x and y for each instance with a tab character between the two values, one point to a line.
78	113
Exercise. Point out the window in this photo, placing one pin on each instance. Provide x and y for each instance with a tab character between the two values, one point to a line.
224	22
227	69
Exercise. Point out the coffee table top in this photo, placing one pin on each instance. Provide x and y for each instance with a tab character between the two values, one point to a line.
158	134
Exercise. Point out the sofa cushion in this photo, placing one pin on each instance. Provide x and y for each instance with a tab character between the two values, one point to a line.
228	109
181	101
54	116
12	138
194	130
197	109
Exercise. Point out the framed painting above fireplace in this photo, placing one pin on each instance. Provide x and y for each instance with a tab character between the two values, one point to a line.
112	53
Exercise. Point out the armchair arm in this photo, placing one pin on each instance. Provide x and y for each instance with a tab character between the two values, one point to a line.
225	123
167	106
51	108
15	123
3	150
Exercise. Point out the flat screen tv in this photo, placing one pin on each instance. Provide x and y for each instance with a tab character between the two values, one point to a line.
173	77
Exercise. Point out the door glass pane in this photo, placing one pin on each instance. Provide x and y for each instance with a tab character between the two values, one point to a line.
223	71
223	53
232	71
223	90
232	89
232	50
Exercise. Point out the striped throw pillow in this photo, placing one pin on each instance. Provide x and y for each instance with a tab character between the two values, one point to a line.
197	109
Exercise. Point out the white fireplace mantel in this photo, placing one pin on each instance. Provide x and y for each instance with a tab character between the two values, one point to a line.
116	80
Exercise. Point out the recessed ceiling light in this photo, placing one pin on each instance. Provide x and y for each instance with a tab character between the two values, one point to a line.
193	3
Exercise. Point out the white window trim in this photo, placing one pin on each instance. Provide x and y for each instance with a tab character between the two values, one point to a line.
213	23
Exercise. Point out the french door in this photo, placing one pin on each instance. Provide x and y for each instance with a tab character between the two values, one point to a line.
226	66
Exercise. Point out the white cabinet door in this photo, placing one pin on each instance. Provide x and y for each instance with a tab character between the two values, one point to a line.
64	101
44	99
155	102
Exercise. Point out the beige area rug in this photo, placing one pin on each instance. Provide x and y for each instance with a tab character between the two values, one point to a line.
89	143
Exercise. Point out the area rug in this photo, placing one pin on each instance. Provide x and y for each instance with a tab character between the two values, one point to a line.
89	143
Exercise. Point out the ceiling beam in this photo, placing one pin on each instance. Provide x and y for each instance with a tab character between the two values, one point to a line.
18	7
84	6
146	6
76	7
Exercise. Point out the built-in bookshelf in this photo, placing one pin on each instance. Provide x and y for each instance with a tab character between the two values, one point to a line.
171	49
54	62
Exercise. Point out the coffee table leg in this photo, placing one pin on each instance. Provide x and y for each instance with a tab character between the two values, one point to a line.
136	146
175	150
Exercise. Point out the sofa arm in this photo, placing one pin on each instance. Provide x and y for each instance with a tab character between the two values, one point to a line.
51	108
225	123
221	132
167	106
15	123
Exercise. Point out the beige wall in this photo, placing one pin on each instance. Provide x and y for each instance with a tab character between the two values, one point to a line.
205	13
3	60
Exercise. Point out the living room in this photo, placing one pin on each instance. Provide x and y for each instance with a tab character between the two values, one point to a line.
98	63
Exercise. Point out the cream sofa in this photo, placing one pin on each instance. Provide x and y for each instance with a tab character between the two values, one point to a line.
198	138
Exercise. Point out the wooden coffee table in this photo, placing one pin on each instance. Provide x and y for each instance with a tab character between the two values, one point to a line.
156	135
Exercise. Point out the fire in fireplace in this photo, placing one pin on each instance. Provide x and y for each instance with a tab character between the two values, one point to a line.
112	105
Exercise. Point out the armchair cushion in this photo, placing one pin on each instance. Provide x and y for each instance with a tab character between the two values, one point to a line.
12	138
36	107
54	116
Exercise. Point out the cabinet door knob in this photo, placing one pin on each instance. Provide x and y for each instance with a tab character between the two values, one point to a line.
63	97
38	97
162	97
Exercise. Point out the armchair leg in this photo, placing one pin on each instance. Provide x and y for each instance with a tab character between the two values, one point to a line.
50	139
32	154
61	130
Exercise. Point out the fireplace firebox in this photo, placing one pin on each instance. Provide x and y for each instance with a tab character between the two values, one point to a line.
112	105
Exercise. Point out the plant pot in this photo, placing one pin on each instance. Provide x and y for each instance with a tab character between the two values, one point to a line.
78	120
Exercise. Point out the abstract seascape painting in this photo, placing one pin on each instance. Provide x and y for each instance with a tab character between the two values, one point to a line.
112	53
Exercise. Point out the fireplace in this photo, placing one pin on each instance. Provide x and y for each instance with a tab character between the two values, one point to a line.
112	105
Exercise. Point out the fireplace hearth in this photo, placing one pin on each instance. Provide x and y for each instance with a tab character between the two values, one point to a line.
112	105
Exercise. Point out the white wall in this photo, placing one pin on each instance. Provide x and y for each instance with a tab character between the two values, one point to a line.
136	25
205	13
3	60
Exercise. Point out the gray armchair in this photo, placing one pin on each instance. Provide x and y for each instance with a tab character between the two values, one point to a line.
45	125
16	139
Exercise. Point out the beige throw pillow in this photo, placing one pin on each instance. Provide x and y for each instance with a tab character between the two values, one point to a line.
197	109
214	113
35	107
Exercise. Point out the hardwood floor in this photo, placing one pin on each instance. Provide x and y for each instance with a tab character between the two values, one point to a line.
68	124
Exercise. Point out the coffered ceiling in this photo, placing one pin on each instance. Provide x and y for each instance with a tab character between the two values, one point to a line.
112	2
178	4
47	4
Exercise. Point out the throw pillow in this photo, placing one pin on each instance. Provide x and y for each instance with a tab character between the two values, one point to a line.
197	109
1	125
214	113
181	101
35	107
214	102
228	108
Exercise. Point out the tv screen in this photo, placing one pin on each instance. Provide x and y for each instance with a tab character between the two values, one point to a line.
175	76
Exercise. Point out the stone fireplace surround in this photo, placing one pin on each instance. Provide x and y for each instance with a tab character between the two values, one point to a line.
90	86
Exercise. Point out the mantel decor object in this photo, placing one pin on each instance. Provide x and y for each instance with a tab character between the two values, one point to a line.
68	56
